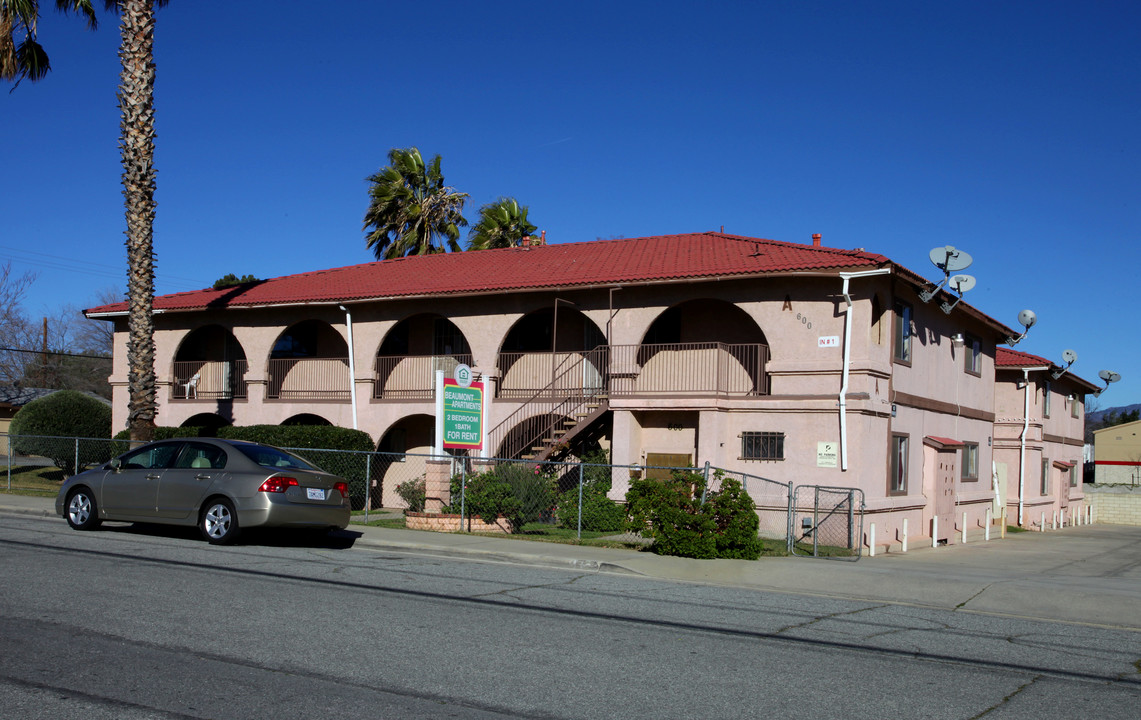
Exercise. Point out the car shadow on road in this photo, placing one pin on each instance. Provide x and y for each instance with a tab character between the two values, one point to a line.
252	537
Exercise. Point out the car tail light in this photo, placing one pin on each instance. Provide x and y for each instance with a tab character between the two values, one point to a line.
342	487
278	484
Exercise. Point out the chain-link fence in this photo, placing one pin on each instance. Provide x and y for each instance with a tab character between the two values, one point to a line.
42	462
570	499
827	521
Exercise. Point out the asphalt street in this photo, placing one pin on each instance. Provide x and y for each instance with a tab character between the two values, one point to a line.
136	621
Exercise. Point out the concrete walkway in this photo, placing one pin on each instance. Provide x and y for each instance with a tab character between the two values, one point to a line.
1088	574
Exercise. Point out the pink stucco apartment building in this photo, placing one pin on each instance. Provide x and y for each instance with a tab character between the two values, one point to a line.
795	362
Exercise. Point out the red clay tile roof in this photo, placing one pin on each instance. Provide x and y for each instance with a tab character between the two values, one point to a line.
1006	357
1013	359
943	441
602	262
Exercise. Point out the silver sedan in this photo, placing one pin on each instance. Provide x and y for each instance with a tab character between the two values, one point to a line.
222	486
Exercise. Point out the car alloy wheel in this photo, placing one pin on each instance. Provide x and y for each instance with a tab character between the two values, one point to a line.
82	512
219	522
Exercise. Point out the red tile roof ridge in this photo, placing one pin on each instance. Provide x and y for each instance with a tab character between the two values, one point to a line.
580	264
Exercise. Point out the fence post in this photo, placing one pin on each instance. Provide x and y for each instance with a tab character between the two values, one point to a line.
705	489
935	531
789	529
964	528
463	498
367	485
580	500
986	532
9	438
75	467
851	518
904	543
871	540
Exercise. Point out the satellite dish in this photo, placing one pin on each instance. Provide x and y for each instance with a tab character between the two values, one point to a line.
1027	318
1109	376
962	283
950	259
1069	356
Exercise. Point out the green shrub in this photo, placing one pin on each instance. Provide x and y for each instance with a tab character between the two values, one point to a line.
326	437
488	496
61	415
413	492
599	513
672	514
735	516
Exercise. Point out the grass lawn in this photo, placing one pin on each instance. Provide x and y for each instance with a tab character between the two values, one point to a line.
34	480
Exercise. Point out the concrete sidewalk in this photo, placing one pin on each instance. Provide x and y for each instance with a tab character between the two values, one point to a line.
1088	574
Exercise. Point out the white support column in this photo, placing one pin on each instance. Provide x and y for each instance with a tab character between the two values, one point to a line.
964	528
872	540
986	529
935	532
905	535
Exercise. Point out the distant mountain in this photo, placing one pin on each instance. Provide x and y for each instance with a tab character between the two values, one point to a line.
1096	416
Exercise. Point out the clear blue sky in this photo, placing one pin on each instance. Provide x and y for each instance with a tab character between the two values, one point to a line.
1007	129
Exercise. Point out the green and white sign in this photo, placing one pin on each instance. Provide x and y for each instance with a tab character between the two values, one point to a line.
463	414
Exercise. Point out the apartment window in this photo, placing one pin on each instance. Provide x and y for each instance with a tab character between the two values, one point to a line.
970	462
1075	406
902	344
973	351
1045	477
1073	476
1046	399
762	446
897	484
877	321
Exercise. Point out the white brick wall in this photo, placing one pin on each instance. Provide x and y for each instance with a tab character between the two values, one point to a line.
1115	504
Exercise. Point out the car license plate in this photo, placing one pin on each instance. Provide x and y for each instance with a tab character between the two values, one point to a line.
315	493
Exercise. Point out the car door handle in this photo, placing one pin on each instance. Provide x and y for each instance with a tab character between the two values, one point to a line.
201	477
153	477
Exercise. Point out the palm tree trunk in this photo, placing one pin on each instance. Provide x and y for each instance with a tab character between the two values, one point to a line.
136	125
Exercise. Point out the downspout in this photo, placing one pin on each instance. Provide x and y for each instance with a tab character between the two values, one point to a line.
1022	440
352	366
843	399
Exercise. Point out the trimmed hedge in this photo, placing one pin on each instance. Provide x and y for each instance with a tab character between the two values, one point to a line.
671	512
63	414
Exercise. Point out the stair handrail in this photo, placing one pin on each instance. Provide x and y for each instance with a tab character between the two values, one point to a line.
550	394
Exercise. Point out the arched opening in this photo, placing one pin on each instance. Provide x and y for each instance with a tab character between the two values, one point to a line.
309	361
557	349
700	347
209	365
305	419
209	422
411	353
402	456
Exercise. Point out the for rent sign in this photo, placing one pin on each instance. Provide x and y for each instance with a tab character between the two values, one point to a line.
463	415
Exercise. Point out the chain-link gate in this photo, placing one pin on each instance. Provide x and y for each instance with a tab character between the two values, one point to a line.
828	521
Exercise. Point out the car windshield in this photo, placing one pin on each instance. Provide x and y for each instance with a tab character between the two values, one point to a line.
271	457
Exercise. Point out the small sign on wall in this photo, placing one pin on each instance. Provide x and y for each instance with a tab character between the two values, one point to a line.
828	341
827	454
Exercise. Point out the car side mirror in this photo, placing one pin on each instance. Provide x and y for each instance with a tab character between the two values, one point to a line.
116	464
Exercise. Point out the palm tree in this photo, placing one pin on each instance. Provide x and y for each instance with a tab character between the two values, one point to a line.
502	224
28	59
410	209
136	142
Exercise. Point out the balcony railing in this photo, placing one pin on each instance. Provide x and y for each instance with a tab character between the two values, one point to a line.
209	380
689	369
308	379
525	374
405	377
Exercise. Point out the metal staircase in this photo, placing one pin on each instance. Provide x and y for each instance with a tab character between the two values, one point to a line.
549	420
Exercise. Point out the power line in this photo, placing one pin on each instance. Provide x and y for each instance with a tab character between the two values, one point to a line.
53	352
